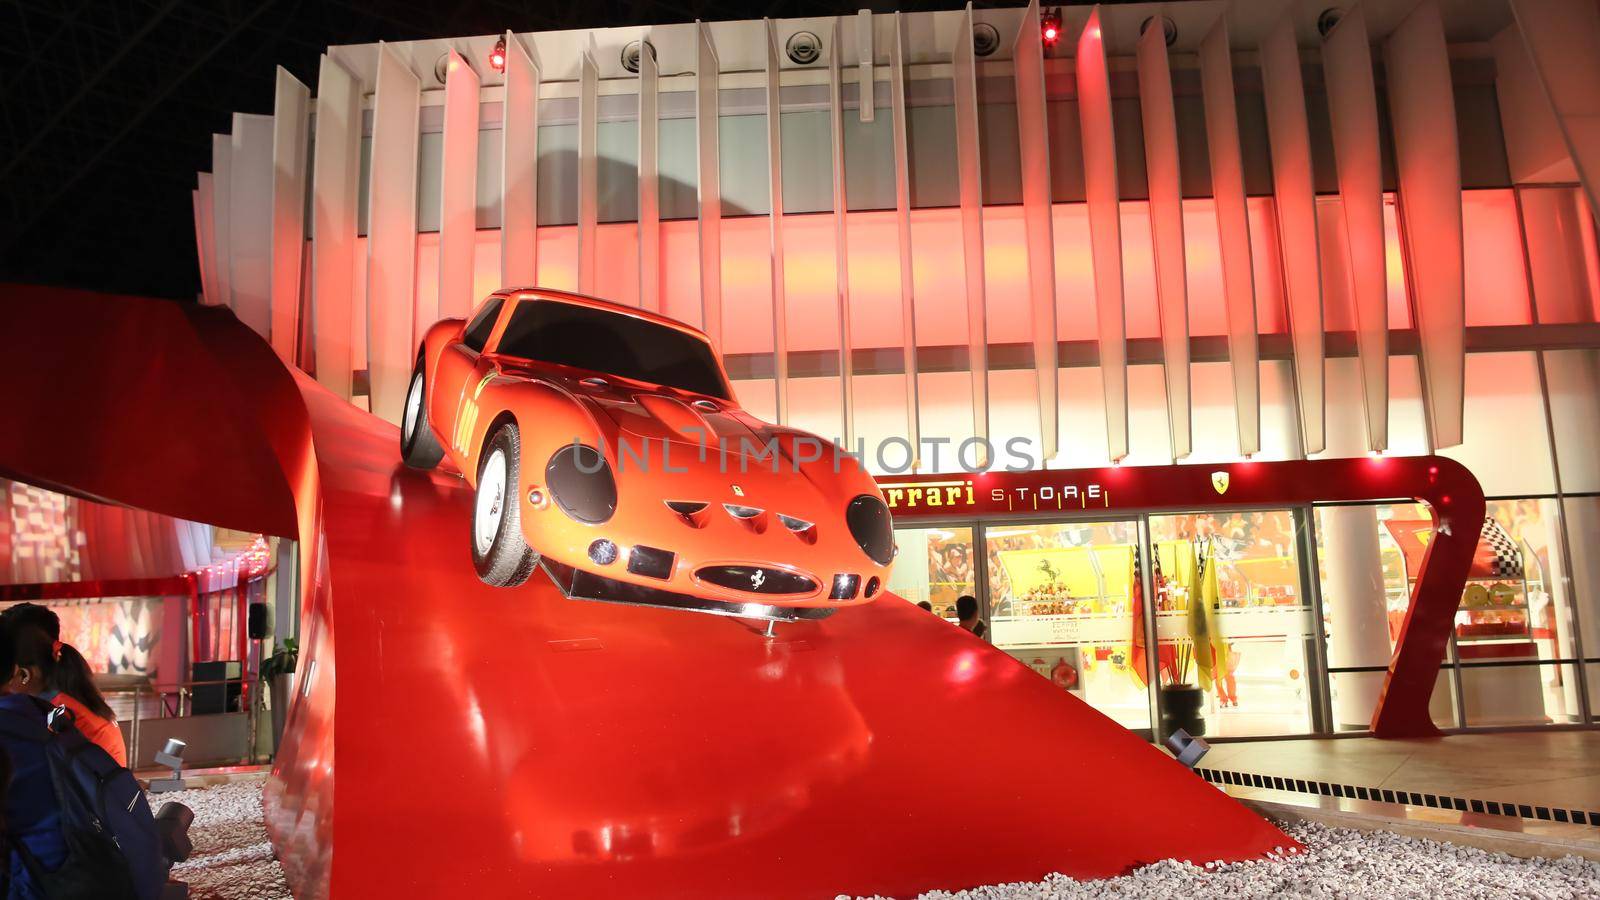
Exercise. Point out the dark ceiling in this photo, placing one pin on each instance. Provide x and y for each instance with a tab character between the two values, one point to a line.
109	106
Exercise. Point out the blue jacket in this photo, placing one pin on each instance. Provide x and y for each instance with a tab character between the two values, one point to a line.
32	813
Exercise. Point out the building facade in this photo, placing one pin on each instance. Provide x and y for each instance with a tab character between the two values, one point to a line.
1179	233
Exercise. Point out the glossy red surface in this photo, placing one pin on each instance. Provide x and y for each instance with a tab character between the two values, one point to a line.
1451	493
511	742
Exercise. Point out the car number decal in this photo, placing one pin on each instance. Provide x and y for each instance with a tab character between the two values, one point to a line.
467	418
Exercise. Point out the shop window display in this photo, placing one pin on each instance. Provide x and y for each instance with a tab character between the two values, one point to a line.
1231	623
1514	609
1064	601
935	565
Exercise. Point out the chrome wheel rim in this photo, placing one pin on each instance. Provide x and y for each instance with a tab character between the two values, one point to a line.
413	408
490	506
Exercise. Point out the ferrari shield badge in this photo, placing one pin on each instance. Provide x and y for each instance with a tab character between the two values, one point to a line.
1219	480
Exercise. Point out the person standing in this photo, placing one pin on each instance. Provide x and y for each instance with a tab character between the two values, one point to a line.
967	615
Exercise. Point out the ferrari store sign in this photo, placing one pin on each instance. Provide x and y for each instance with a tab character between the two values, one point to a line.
963	495
1051	491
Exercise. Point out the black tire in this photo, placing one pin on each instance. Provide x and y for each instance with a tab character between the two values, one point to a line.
505	560
419	446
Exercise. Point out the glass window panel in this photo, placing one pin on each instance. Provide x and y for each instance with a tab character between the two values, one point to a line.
1365	595
558	174
1256	632
1573	380
1583	537
1496	282
1350	691
1514	607
1531	694
617	171
935	565
1526	594
1561	253
1395	266
1202	259
1267	266
1062	601
1506	440
1338	299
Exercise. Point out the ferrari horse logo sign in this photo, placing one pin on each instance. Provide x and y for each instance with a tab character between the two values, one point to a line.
757	579
1219	480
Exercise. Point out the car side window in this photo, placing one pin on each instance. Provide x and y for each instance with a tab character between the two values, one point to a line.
478	330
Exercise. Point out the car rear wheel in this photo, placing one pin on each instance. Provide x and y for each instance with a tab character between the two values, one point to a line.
419	448
501	555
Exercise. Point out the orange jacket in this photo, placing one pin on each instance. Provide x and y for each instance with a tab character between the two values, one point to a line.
101	731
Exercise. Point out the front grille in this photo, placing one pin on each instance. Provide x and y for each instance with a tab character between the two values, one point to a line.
650	562
756	580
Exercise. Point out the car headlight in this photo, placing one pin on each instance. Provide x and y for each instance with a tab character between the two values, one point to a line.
872	528
581	482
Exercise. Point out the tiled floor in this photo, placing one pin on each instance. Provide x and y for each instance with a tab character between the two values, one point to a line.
1506	834
1534	768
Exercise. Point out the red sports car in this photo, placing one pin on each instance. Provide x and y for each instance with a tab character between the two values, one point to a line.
604	443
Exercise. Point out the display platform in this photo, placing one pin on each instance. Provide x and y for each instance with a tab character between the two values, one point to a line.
496	742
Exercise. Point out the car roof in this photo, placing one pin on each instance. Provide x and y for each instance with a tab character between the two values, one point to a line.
543	293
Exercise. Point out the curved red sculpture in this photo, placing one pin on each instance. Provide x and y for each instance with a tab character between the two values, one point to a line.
510	742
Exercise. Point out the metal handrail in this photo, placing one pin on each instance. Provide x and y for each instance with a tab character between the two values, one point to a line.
159	691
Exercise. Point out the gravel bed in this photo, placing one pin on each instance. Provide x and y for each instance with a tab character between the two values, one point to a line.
232	857
1337	862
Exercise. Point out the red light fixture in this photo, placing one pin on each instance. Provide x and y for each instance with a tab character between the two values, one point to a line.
497	59
1050	27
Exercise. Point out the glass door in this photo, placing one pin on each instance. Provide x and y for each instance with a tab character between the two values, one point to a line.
1233	622
1064	600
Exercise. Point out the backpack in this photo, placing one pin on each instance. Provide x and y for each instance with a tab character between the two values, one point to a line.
113	848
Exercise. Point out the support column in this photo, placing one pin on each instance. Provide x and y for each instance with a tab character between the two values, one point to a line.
1358	615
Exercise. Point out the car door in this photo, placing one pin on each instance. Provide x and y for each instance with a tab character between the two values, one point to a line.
454	377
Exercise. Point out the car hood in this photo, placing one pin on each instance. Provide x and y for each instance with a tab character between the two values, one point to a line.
663	417
716	433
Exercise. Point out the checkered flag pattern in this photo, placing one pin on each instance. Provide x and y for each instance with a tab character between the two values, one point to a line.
1498	553
1155	567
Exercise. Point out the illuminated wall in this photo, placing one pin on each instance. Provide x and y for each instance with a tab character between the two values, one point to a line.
1432	262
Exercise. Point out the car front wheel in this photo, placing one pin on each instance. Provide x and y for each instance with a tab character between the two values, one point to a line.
502	557
419	448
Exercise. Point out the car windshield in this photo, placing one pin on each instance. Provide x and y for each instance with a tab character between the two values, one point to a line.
613	344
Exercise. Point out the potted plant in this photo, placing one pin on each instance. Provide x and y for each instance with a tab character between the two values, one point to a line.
1181	698
277	671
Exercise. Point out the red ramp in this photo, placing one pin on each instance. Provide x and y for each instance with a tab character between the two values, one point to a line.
512	742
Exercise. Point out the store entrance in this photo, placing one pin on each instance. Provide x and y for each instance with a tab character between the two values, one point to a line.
1222	597
1063	598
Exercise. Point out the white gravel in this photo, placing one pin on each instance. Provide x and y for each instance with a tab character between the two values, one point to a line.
1338	862
232	857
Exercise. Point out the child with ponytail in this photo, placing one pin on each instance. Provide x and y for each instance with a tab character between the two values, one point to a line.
58	673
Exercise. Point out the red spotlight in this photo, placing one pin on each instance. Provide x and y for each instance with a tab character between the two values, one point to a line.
497	59
1050	24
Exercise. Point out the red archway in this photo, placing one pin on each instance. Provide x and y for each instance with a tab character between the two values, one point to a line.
1448	489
